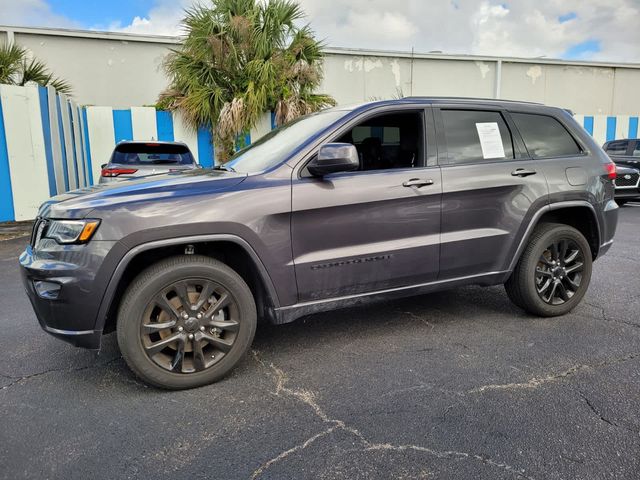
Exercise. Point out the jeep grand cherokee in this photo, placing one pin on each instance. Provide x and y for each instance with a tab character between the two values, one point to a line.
349	205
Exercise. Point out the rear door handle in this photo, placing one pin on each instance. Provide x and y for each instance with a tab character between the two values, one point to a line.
521	172
418	182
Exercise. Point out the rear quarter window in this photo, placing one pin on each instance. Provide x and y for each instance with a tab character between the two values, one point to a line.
544	136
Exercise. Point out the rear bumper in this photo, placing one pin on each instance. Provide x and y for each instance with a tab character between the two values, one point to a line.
71	315
608	226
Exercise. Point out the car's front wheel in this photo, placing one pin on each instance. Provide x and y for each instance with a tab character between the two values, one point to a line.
553	273
185	322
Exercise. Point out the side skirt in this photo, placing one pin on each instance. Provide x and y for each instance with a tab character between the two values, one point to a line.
292	312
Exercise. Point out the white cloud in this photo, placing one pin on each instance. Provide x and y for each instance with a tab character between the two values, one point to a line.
163	19
32	13
526	28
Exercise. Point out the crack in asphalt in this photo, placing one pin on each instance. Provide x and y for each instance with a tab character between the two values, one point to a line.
537	381
421	319
602	417
606	317
24	378
309	398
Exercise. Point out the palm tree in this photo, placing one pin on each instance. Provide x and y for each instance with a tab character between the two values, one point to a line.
17	69
240	58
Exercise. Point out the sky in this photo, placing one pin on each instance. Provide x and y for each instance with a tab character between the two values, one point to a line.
605	30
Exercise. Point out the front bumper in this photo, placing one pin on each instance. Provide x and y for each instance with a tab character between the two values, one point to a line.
627	193
71	315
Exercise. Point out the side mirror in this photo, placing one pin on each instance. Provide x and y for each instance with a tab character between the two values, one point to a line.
333	158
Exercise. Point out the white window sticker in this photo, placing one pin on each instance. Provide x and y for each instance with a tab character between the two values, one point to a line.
490	140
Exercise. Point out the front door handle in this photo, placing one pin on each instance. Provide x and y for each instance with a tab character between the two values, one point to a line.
522	172
418	182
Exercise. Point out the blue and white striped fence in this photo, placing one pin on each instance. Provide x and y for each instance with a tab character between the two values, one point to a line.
50	145
604	128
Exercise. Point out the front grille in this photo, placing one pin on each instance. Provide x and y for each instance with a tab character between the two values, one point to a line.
627	180
36	233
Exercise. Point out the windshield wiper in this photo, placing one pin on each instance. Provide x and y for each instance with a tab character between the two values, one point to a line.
223	167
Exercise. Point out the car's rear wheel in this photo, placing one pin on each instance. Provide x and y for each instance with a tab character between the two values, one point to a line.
553	273
185	322
621	202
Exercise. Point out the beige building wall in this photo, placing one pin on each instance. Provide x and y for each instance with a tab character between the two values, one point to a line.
578	87
118	73
122	70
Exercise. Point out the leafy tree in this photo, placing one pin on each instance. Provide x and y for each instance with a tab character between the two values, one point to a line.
16	68
240	58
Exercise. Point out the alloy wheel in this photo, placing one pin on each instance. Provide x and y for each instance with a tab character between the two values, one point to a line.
558	274
190	325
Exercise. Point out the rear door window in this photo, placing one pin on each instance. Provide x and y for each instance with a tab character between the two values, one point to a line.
476	136
544	136
636	150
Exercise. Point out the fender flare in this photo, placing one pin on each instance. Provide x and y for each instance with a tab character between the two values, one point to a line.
536	217
124	262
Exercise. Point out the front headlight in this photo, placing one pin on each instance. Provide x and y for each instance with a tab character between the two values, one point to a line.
71	231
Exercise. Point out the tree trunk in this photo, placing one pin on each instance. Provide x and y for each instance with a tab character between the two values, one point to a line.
224	150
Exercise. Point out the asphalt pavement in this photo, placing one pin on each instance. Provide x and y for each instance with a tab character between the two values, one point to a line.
459	384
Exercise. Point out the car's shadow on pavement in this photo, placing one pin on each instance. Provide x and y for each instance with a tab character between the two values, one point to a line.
460	305
367	323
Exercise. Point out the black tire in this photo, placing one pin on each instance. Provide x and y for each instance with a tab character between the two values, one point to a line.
534	269
142	297
621	203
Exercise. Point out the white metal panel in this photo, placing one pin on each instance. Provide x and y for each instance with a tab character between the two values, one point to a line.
77	146
86	148
262	126
143	121
101	137
600	129
579	119
56	144
182	133
622	126
68	142
25	146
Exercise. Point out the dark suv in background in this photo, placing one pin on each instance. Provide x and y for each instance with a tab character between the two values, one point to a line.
626	155
346	206
131	159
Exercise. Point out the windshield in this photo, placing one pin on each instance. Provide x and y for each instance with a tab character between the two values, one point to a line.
151	154
278	144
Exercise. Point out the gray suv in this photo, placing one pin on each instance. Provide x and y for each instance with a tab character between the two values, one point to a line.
339	208
131	159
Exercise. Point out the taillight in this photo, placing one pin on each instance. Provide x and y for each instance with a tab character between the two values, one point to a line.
114	172
611	170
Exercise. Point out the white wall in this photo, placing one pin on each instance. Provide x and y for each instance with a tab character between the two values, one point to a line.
123	70
25	148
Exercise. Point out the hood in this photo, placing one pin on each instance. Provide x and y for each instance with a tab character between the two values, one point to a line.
78	203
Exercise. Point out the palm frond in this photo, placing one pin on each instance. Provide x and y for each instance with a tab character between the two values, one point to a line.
238	59
34	71
16	68
12	57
